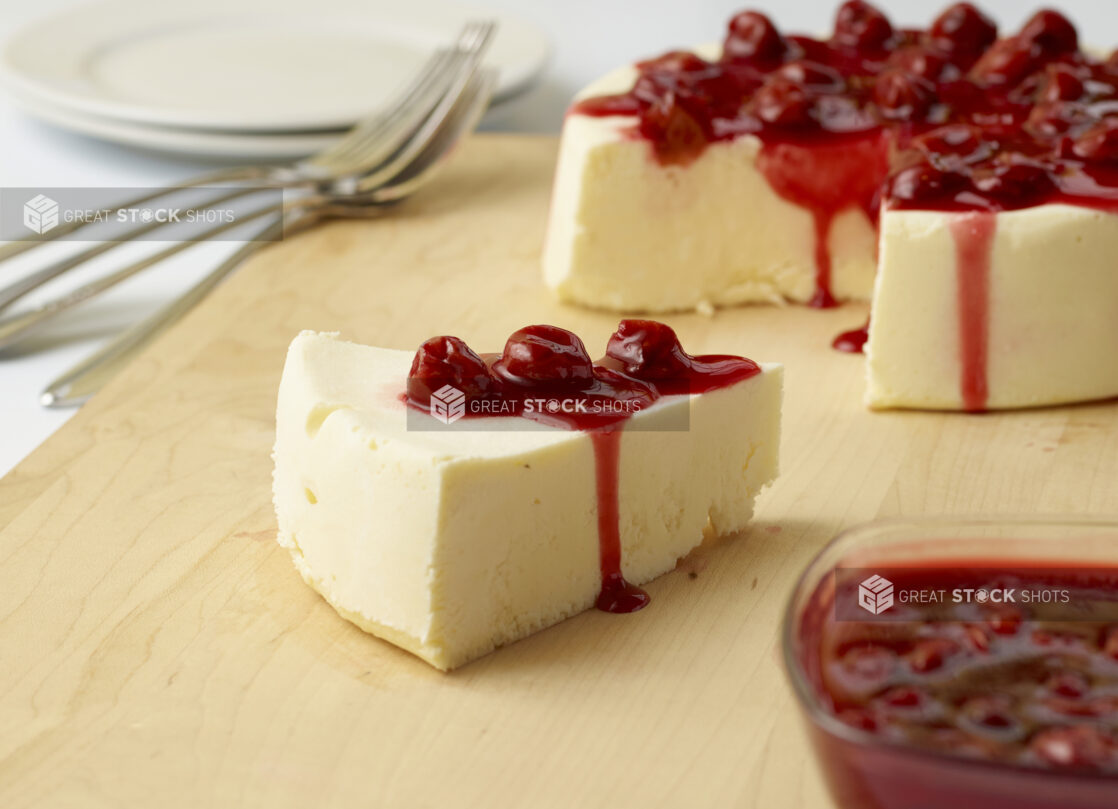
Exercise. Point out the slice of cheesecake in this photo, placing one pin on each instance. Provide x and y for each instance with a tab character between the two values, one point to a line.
452	522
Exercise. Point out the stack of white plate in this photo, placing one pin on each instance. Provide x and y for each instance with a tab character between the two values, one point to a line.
251	79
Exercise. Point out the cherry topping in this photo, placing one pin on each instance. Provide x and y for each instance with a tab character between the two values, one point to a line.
649	350
546	355
964	32
1054	118
812	75
1100	142
1061	84
1006	63
676	135
1082	747
753	38
925	183
444	361
919	61
957	144
1051	31
1015	182
861	26
902	94
782	102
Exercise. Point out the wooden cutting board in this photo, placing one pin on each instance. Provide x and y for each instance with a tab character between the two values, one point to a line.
159	650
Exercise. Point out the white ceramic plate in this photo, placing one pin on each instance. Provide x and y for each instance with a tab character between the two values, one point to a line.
173	140
257	66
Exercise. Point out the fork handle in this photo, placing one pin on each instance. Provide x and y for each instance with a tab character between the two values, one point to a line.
17	289
15	327
92	373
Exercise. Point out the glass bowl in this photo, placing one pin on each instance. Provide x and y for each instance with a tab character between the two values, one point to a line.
865	770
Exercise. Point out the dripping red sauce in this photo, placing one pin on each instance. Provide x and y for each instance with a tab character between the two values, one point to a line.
542	365
853	341
974	237
951	117
1028	686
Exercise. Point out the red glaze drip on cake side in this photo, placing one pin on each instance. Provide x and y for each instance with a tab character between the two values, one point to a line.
617	595
543	364
958	119
974	238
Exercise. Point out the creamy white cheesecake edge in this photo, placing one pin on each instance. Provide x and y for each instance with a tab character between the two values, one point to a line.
1052	315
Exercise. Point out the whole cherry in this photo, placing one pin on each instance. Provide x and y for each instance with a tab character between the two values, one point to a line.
442	361
1015	182
860	26
956	144
545	355
1060	84
925	183
1051	31
648	349
676	134
783	102
964	32
919	61
753	38
812	75
1099	143
1006	63
903	95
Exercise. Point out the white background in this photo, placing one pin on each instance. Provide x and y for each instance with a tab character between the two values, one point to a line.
589	37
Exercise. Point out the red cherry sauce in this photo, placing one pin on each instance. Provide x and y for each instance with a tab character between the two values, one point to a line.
1027	688
853	341
974	235
949	118
541	365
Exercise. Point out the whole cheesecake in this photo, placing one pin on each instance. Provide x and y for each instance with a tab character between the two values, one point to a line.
451	502
967	183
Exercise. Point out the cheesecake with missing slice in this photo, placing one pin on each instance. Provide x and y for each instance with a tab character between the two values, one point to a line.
967	182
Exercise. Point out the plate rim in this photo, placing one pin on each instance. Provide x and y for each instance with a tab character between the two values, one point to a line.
16	77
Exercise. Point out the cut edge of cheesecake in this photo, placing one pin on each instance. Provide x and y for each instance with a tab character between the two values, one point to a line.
621	225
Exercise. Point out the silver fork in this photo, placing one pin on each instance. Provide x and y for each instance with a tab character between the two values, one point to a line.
371	144
14	328
89	376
